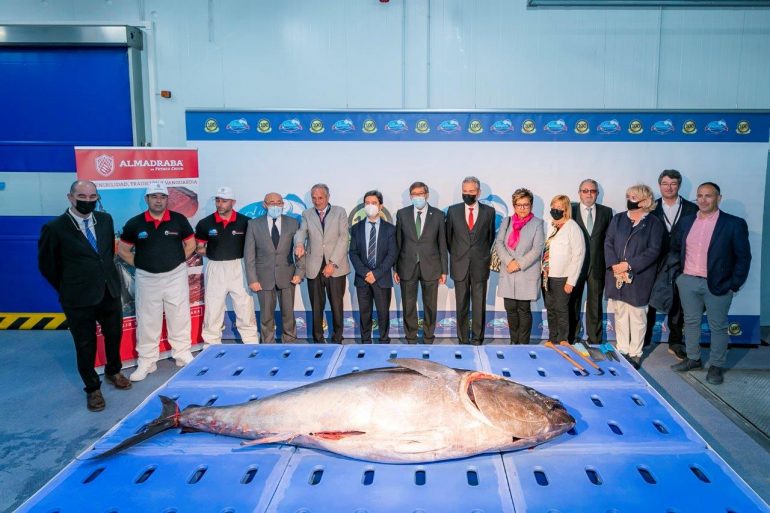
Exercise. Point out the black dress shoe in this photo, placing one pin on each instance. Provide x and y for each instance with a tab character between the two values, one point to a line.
678	351
686	365
714	375
118	380
95	401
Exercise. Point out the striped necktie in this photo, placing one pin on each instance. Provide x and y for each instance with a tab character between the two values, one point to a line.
372	250
89	235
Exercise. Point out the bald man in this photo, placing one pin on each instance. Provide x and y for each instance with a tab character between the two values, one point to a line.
271	269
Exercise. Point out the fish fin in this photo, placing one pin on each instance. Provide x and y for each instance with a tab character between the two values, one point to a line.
425	367
168	418
270	438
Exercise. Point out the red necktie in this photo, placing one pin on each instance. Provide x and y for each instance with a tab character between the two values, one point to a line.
470	219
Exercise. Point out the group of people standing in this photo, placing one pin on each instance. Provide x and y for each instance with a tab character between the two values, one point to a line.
694	255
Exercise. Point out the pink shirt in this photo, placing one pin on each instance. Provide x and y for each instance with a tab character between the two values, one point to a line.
697	246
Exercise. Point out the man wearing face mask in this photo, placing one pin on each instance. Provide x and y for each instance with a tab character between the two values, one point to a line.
373	253
470	233
271	269
422	259
76	255
221	237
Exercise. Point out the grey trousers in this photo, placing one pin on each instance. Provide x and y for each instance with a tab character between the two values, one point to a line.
695	295
267	300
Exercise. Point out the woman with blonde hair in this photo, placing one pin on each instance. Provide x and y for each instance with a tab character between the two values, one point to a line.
519	245
631	249
561	263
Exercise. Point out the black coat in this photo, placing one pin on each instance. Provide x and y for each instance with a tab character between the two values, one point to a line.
470	250
594	259
638	245
688	208
69	263
430	247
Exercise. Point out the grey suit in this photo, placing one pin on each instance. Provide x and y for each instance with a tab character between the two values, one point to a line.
273	267
420	260
327	243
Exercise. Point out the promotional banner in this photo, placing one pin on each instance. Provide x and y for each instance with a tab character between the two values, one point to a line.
548	153
121	175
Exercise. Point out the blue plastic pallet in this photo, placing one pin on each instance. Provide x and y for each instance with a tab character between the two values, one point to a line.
629	452
316	482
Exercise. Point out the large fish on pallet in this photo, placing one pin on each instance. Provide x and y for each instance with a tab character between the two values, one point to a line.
418	411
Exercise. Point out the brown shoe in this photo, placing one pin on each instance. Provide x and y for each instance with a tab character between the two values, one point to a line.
118	380
95	401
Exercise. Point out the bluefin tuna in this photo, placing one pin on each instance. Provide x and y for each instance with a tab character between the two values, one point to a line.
418	411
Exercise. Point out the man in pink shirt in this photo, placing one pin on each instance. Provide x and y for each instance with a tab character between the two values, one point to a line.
712	250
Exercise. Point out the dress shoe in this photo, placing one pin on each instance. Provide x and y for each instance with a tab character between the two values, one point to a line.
678	351
142	370
118	381
714	375
183	359
95	401
686	365
635	361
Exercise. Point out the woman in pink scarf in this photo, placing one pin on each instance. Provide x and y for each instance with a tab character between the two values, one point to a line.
519	245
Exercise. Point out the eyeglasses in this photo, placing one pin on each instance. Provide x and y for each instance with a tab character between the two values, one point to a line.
523	205
589	191
669	184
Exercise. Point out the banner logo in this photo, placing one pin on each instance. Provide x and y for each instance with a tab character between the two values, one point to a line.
238	126
475	127
290	126
717	127
663	127
555	126
689	127
743	127
635	127
105	165
449	126
582	127
734	329
422	127
528	127
370	126
211	126
396	126
344	126
316	126
608	127
263	126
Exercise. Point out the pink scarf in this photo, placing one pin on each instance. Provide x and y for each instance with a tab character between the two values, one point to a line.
518	224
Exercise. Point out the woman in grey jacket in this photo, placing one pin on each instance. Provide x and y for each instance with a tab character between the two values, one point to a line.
519	245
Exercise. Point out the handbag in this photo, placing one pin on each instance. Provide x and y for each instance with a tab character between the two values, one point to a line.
494	258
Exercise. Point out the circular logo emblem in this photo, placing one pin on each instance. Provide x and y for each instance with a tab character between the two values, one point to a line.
635	127
211	126
475	127
528	127
743	127
316	126
734	329
582	127
263	126
689	127
370	126
422	127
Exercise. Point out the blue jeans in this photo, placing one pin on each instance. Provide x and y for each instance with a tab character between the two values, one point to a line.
695	295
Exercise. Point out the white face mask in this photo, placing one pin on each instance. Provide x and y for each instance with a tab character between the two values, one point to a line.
371	210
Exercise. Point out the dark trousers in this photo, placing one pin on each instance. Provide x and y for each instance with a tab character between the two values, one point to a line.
409	305
594	329
519	320
675	321
82	325
557	304
318	288
470	293
381	298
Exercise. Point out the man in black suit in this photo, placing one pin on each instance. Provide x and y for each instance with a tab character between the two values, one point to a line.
422	258
470	233
76	253
373	253
671	208
711	250
593	219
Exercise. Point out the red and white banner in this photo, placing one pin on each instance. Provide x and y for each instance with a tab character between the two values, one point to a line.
121	175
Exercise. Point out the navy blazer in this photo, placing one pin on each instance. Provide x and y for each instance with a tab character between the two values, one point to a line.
387	251
729	253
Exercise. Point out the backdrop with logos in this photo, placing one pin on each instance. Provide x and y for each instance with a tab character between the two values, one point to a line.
549	153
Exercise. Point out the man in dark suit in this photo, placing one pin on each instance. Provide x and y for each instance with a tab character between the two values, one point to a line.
593	219
373	252
470	233
422	258
712	251
271	270
76	254
671	208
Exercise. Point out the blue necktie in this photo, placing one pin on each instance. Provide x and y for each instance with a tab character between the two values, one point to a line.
90	236
372	254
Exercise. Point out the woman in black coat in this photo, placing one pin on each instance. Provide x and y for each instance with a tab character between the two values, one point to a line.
631	249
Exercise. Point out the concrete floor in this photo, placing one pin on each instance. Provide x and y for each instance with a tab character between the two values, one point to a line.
45	423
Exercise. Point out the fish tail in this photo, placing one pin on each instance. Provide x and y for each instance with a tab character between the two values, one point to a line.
168	419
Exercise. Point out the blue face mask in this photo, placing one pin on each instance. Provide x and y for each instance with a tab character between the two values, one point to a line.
419	202
274	211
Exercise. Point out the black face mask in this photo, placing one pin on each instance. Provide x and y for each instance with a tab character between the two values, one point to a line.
85	207
557	214
632	205
469	199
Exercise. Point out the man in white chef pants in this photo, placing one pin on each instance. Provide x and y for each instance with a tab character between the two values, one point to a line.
221	236
162	240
